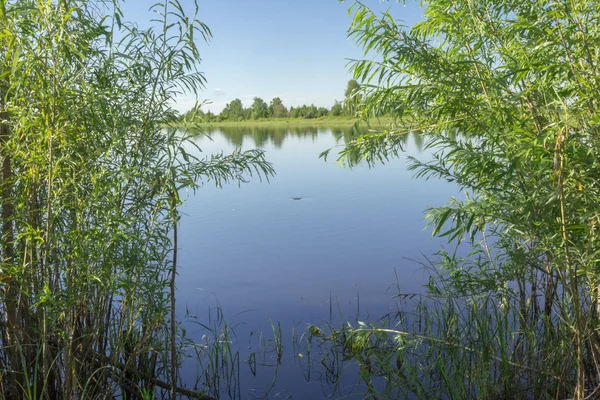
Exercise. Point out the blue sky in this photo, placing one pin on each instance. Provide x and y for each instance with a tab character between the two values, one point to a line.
293	49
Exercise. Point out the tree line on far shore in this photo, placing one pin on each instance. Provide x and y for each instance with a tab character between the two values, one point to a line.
235	111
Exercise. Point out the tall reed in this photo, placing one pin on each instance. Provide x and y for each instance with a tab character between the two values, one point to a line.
450	343
506	93
89	192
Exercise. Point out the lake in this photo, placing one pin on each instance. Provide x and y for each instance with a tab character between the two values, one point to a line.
318	243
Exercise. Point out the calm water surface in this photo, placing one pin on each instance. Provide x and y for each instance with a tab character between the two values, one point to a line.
259	255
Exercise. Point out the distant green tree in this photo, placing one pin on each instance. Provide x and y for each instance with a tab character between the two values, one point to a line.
351	88
277	109
196	114
192	113
224	114
311	112
305	111
233	111
300	112
295	112
247	114
322	112
352	96
259	108
337	109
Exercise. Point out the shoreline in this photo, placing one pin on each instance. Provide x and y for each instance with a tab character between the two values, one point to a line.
297	122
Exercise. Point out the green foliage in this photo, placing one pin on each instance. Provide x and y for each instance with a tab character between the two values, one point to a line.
307	112
352	97
444	346
352	88
506	93
259	108
336	110
197	114
90	184
233	111
277	109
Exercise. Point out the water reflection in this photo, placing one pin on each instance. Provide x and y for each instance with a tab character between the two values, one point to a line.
330	257
419	140
261	137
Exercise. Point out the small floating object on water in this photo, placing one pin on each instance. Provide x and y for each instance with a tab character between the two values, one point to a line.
298	198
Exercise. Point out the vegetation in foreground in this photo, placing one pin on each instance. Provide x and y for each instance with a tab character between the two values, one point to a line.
89	197
507	94
90	181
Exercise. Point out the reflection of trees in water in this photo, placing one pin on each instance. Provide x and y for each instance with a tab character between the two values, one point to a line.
262	136
419	140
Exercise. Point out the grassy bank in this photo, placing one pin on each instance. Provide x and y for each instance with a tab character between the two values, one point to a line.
299	122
